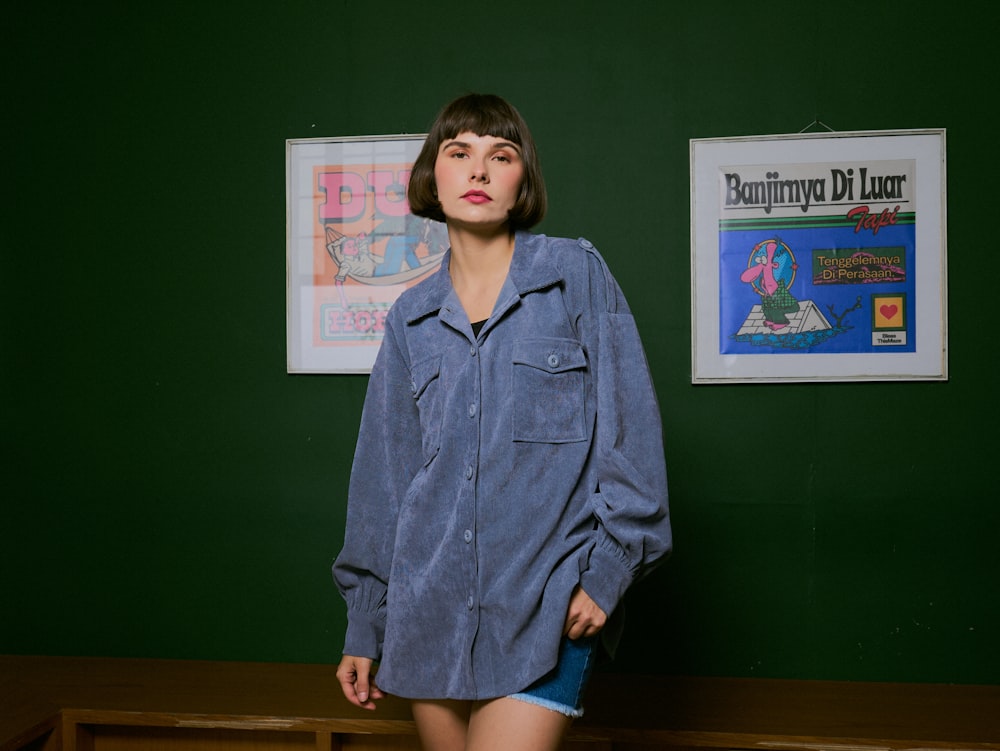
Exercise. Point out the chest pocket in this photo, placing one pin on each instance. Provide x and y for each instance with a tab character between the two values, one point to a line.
426	385
548	391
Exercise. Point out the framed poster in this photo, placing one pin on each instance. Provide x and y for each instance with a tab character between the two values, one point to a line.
819	257
352	246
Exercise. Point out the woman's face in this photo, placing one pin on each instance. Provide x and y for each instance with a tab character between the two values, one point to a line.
478	180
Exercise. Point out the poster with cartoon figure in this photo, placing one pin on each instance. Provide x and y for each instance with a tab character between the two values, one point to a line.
352	247
819	257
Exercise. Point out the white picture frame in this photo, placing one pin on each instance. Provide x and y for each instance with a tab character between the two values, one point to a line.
819	257
352	246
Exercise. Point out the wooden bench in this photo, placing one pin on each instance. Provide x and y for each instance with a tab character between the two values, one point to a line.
93	704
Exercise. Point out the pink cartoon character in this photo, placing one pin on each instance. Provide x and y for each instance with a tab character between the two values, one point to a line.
770	271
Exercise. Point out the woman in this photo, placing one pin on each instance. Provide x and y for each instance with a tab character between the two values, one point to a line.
508	482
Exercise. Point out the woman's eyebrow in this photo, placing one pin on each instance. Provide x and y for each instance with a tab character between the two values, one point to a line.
497	145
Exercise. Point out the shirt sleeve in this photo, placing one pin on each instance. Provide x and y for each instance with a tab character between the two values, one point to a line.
386	453
630	502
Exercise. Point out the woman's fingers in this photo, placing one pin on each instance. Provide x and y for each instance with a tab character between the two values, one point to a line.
583	617
357	681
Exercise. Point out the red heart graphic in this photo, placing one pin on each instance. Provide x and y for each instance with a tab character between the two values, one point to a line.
888	310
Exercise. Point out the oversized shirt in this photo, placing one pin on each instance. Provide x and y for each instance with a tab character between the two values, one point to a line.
495	473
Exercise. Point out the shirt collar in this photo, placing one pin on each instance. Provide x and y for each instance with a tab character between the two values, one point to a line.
531	269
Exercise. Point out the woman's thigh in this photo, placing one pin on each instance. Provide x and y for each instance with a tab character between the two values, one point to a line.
504	724
495	725
442	725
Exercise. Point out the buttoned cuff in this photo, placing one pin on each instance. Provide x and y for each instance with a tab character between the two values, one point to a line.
605	579
365	633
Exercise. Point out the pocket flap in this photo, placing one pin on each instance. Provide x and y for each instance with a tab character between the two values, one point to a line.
423	373
551	355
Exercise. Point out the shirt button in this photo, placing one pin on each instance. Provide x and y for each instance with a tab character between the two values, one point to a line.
468	535
470	602
472	410
472	350
553	361
468	472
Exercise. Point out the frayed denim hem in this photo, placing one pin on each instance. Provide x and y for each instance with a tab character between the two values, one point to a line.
555	706
561	690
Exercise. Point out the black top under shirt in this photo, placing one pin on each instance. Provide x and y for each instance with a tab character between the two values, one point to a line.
477	327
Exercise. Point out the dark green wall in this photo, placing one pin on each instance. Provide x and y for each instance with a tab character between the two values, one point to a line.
170	491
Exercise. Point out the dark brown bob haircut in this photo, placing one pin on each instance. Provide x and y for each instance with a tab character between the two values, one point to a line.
484	115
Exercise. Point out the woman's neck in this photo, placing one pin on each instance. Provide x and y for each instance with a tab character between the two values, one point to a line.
479	266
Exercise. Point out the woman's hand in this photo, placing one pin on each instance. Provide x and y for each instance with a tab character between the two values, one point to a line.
358	682
584	617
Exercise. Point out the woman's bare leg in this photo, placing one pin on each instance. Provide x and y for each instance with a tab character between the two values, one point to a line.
442	725
506	724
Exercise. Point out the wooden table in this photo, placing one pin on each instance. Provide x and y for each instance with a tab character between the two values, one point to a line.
94	704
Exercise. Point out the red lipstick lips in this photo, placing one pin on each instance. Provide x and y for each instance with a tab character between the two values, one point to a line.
477	196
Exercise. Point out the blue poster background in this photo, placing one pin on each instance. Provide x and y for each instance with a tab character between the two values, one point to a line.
850	306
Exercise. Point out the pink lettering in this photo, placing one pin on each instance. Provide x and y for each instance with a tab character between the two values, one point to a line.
345	196
352	323
390	192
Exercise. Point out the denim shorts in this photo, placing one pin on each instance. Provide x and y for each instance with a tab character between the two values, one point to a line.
561	689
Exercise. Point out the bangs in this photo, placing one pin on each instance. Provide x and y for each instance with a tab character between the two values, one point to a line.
483	115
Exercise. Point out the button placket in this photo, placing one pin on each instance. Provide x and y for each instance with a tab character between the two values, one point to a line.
471	474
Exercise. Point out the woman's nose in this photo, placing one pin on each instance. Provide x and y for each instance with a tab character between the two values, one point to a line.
479	174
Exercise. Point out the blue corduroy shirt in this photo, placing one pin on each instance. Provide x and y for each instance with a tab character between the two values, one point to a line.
495	473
